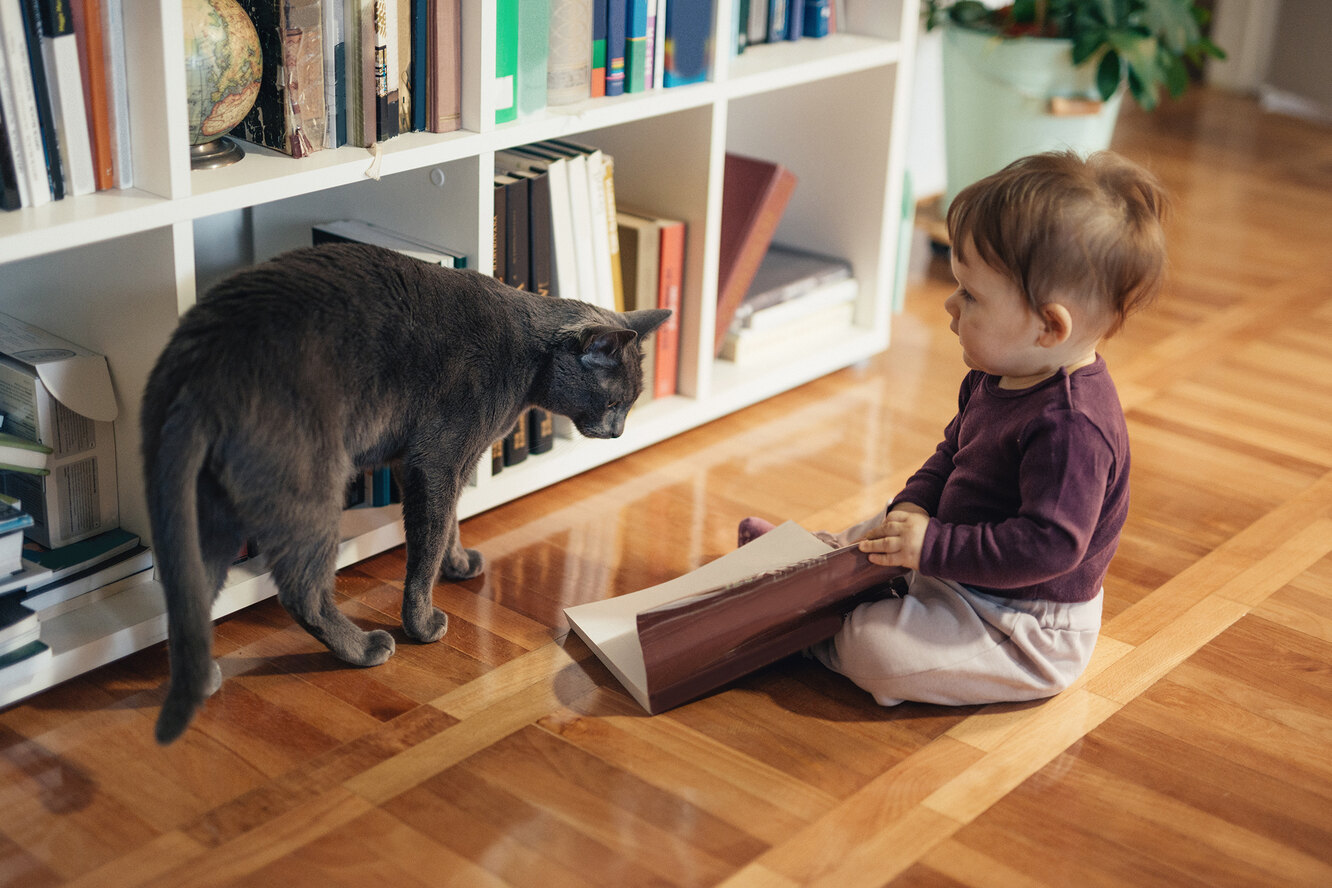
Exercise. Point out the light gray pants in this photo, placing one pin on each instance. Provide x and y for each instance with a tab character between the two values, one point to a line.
945	643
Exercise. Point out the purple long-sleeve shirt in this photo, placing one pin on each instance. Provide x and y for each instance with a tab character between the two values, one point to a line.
1028	491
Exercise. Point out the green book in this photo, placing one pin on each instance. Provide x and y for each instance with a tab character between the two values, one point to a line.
506	61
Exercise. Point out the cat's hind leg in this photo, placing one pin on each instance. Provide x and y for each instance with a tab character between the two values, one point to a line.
304	571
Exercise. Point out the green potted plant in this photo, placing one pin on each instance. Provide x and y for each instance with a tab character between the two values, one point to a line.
1042	74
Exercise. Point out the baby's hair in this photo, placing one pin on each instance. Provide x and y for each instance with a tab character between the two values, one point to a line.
1056	223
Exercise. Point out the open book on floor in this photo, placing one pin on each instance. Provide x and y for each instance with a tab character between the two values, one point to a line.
671	643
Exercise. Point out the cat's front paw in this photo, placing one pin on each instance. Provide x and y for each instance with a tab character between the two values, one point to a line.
432	628
476	564
379	646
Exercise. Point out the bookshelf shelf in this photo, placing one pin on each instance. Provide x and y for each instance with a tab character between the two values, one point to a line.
114	270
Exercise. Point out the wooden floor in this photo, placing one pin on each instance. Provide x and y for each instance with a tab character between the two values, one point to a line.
1197	750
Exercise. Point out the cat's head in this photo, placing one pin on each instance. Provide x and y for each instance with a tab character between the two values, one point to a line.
596	375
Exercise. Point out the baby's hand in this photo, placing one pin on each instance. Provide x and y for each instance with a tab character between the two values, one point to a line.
897	541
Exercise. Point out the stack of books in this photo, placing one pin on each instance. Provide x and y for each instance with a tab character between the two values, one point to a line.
21	648
796	301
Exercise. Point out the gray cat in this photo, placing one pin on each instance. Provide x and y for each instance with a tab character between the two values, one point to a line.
290	376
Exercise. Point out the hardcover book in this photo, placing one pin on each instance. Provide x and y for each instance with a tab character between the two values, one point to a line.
755	194
569	60
677	641
688	55
444	83
290	42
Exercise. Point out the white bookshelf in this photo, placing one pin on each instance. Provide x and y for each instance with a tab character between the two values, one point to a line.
114	270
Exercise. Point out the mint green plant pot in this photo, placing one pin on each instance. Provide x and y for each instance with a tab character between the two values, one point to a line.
997	103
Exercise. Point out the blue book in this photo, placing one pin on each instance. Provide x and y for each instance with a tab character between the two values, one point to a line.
817	15
617	20
688	42
636	62
13	518
420	64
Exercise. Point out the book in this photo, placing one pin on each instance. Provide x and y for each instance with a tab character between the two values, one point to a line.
640	257
656	43
444	85
617	13
13	521
777	595
50	597
786	273
580	212
598	84
335	60
10	197
636	46
533	55
46	100
755	194
20	107
817	18
67	560
359	232
386	69
558	218
798	307
569	53
60	52
117	79
96	96
285	113
18	623
601	204
411	29
688	42
23	455
28	576
506	61
669	295
794	337
20	665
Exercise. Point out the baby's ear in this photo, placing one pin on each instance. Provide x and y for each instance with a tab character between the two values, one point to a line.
1056	324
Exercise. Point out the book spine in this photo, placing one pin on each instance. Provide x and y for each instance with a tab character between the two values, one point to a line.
92	55
43	88
334	65
599	13
303	76
818	16
419	67
669	296
569	53
617	13
533	54
636	47
446	93
688	41
117	79
10	197
506	61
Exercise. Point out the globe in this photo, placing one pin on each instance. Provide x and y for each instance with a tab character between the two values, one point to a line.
222	68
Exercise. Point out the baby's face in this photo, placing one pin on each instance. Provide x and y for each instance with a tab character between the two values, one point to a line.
996	327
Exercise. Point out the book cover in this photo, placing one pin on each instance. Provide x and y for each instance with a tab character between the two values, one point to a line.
669	295
569	53
66	560
20	106
540	267
21	454
43	89
444	89
18	623
599	13
386	71
412	65
805	303
506	60
817	18
335	67
533	54
755	194
96	95
636	47
13	518
270	122
688	45
617	16
679	640
558	217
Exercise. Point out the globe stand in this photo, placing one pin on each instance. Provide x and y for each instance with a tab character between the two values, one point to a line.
219	152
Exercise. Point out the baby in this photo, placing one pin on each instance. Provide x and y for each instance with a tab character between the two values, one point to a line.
1009	527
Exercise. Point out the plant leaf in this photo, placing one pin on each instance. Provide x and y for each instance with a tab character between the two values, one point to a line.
1109	73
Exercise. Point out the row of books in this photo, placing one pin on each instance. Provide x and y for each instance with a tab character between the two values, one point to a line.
64	108
776	21
353	72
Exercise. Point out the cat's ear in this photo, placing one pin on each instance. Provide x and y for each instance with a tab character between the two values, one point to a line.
601	345
644	320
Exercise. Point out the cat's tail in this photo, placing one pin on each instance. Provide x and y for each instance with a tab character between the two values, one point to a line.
173	482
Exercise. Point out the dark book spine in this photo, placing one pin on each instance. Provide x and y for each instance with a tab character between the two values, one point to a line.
32	29
540	430
266	123
9	186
